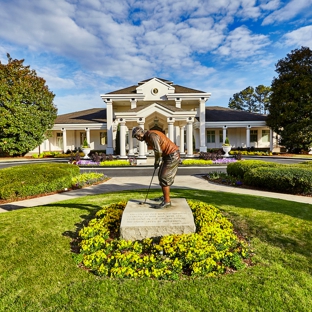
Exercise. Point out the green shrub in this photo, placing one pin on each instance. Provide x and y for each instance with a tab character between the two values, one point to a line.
239	168
291	179
249	153
33	179
113	163
198	162
214	248
89	178
305	163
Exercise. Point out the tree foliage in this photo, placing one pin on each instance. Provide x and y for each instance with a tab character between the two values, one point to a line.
251	100
27	111
290	110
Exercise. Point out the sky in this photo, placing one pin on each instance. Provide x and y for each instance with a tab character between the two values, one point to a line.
85	48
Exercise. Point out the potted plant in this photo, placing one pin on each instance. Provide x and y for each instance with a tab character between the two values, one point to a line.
226	146
85	148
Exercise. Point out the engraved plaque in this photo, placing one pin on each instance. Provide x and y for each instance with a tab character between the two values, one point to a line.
143	221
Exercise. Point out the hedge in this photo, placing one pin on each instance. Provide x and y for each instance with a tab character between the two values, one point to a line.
238	169
33	179
291	179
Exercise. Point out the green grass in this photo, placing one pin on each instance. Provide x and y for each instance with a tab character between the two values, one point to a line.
38	273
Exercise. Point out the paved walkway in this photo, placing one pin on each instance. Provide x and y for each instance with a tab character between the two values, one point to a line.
130	183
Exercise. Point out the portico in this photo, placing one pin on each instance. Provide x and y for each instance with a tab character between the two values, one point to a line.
156	104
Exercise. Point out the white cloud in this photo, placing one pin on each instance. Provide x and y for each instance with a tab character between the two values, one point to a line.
54	81
241	43
270	5
44	25
72	103
286	13
103	45
299	37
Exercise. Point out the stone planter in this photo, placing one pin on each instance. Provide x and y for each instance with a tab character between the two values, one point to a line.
226	150
86	151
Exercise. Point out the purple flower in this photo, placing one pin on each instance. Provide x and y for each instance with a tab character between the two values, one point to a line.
87	163
224	161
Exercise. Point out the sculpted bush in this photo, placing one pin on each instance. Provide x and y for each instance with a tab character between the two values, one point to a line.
293	180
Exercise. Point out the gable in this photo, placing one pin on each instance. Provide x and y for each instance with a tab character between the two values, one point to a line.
155	89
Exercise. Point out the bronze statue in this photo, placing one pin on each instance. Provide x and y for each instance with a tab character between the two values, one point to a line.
167	158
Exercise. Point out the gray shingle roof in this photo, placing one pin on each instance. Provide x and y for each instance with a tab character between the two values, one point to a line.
217	113
213	114
94	115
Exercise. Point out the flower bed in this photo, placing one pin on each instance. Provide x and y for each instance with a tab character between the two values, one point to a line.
203	162
214	249
107	163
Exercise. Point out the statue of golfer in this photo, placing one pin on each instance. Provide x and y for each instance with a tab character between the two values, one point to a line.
167	158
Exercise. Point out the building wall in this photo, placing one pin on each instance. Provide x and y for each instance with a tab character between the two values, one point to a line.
237	137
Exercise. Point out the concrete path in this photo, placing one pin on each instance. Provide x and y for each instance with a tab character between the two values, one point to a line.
132	183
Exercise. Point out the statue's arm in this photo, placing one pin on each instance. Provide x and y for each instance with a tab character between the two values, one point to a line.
157	149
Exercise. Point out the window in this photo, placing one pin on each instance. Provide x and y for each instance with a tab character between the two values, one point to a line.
253	135
59	139
103	136
211	137
265	136
220	136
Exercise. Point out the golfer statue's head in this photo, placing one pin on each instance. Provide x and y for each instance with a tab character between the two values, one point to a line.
138	133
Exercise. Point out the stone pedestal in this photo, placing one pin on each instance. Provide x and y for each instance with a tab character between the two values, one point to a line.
143	221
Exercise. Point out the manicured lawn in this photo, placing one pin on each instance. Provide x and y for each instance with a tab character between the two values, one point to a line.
38	273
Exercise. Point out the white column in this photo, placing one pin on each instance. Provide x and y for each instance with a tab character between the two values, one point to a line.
248	136
182	140
178	102
224	133
202	127
177	135
189	137
142	145
133	103
170	121
64	140
122	138
131	150
88	135
109	123
271	140
145	150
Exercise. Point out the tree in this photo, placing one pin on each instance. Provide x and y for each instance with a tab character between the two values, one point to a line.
262	98
243	100
251	100
290	110
27	112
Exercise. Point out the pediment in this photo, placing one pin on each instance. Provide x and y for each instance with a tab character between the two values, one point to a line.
166	111
155	89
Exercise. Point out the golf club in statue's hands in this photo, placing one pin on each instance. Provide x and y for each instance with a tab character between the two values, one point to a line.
142	203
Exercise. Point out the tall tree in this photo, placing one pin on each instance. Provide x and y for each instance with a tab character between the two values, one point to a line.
262	98
244	100
290	110
27	111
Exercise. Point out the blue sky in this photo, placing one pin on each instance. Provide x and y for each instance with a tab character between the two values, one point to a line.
84	48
